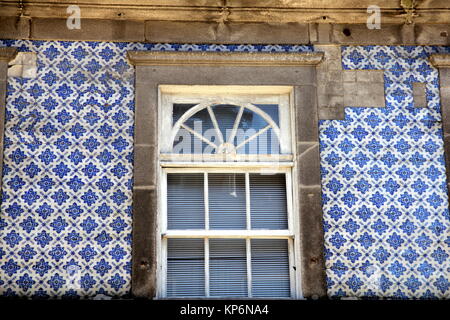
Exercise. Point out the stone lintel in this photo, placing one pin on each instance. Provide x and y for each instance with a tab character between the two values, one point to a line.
232	59
440	60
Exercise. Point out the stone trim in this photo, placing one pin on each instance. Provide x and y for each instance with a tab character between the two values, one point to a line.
268	11
302	77
442	62
280	31
420	95
232	59
338	88
6	54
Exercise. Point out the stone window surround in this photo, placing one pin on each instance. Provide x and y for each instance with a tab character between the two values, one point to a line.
217	68
442	62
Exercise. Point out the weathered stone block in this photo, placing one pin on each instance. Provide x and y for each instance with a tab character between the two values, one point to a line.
313	260
433	34
214	32
419	95
364	94
359	34
14	28
332	113
308	166
143	277
333	88
349	75
372	76
444	77
306	113
145	158
146	114
91	29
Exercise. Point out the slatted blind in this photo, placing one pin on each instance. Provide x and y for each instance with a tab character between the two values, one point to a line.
185	268
185	201
227	207
268	201
270	268
228	268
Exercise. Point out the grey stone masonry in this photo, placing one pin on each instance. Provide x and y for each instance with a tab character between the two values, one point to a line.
214	68
442	62
420	95
338	88
6	55
364	88
215	30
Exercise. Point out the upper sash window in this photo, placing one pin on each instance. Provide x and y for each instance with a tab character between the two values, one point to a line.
226	123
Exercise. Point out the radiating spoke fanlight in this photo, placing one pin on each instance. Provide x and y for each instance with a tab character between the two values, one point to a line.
225	145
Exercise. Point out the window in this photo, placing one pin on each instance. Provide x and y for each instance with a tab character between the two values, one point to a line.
226	220
231	123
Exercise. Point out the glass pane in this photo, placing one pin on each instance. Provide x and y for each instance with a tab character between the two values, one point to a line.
270	268
201	123
228	268
250	124
185	268
271	110
227	208
179	109
268	203
226	116
185	201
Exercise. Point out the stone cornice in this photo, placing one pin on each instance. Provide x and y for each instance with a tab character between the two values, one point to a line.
241	59
268	11
440	60
7	53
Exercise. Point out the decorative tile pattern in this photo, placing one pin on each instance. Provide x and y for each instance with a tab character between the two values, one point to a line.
65	220
65	224
386	217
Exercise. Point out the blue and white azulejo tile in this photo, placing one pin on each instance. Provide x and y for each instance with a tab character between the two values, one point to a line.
386	216
65	220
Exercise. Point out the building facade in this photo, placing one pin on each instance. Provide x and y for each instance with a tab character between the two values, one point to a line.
351	200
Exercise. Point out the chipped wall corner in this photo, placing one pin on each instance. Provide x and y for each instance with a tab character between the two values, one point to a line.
23	65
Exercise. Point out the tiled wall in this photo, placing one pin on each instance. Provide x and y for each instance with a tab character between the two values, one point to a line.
387	223
65	221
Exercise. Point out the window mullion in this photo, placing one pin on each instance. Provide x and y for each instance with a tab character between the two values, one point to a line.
206	199
249	267
247	200
206	196
288	177
206	267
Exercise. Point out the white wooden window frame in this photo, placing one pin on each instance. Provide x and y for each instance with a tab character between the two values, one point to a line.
281	95
244	96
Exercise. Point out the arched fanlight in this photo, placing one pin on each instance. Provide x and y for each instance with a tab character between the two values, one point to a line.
223	146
